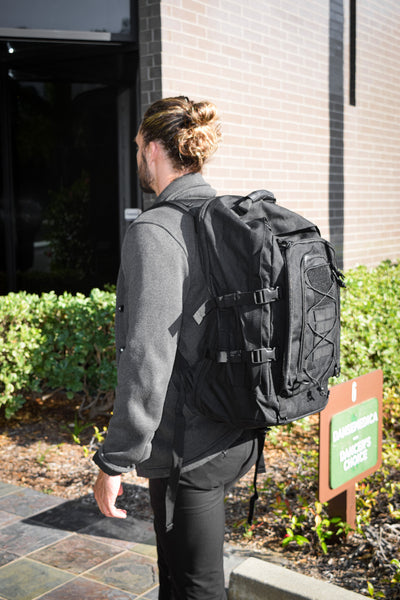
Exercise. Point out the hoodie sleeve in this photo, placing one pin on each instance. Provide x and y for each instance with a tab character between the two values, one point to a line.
152	281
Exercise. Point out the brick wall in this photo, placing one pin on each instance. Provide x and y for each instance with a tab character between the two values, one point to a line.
150	52
279	74
372	138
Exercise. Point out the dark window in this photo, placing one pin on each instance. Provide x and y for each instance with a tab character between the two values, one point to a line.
64	147
353	48
52	16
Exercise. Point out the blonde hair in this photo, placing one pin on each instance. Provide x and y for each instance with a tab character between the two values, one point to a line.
189	131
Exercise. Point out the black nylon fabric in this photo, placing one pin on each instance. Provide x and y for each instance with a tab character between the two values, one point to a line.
247	245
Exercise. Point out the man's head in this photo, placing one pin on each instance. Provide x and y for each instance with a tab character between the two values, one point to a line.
187	132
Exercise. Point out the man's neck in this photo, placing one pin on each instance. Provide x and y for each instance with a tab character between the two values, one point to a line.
161	168
165	180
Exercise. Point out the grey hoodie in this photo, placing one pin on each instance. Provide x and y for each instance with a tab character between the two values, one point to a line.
160	287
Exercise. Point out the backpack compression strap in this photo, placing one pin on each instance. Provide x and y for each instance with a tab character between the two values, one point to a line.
257	298
257	356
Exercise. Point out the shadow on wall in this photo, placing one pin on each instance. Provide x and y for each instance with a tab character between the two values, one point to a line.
336	127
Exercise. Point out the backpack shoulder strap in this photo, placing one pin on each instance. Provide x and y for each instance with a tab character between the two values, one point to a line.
191	206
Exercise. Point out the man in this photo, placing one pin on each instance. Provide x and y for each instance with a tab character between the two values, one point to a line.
160	287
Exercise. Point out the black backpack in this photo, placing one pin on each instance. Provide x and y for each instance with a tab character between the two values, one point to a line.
273	333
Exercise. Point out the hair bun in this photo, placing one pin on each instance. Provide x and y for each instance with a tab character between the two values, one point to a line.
203	113
190	131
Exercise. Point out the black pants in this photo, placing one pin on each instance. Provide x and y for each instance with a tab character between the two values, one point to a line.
190	557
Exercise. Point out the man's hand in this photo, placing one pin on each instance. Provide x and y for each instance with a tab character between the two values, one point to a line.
106	489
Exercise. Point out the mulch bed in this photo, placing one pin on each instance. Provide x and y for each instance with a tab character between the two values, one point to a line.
37	451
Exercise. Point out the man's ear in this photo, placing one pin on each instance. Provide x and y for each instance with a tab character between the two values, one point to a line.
152	151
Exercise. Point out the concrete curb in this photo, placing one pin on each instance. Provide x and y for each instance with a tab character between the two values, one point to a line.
256	579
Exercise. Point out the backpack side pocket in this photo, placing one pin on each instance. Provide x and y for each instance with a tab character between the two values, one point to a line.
312	348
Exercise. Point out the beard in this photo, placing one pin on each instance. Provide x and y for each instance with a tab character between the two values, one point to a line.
145	179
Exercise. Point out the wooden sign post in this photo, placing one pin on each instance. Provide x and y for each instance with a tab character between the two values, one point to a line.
350	442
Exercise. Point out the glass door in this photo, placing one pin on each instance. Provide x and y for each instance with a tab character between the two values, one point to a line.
65	127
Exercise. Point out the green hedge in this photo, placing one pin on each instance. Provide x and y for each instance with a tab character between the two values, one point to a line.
371	322
51	342
56	342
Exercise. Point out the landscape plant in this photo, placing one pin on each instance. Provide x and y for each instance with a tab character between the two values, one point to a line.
54	344
65	344
289	509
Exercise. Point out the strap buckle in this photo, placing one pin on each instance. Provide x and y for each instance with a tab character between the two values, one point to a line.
254	357
266	295
261	355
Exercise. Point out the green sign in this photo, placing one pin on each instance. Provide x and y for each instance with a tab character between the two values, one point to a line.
354	442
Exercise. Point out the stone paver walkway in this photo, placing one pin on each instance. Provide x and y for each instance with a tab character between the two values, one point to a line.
55	549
